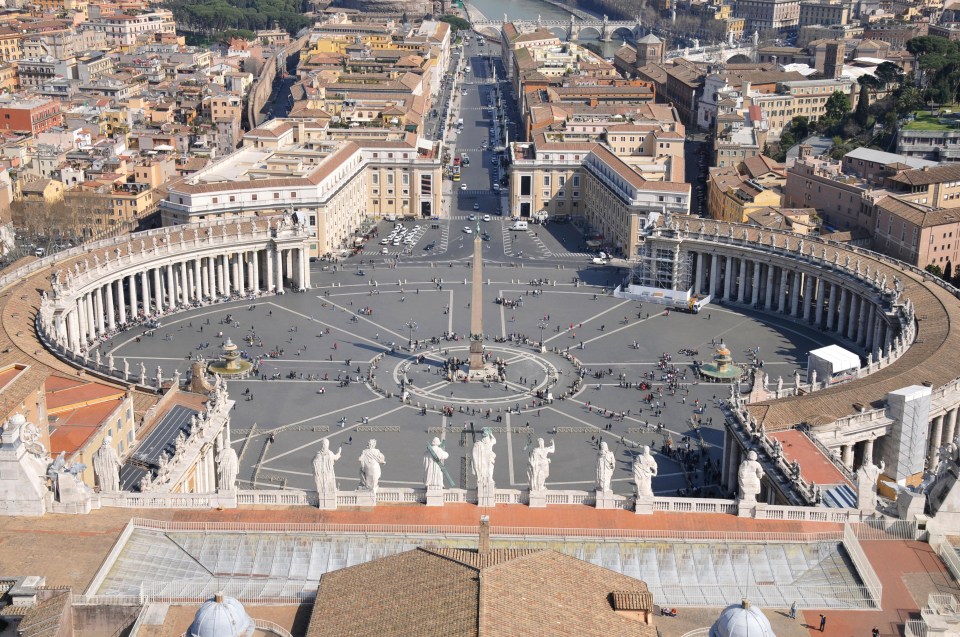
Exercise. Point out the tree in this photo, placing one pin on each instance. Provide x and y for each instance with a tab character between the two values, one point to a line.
934	270
456	23
948	271
863	105
889	73
837	106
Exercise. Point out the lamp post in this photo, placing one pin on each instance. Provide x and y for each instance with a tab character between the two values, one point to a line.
542	325
412	326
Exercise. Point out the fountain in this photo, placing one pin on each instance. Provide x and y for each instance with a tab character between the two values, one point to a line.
722	368
230	364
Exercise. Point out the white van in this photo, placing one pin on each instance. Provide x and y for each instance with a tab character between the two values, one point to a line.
519	225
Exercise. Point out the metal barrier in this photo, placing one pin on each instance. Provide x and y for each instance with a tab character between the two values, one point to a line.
885	529
501	531
947	553
915	628
852	545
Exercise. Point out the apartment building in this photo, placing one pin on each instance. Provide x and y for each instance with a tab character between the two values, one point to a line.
823	12
736	192
917	234
11	48
29	115
897	34
122	30
619	203
333	185
760	15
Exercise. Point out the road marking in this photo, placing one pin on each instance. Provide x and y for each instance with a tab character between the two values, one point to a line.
594	317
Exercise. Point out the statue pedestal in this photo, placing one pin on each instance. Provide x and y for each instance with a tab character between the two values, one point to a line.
747	508
434	497
538	499
327	502
605	500
643	505
366	498
486	497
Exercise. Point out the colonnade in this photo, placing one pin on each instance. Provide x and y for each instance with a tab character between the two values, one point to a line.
809	297
133	294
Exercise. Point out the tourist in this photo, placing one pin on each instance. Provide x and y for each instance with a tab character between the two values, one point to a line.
823	622
793	611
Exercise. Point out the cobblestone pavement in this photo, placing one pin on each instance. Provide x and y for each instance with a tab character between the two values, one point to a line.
314	341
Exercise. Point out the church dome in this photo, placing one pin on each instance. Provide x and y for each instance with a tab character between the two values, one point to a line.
742	620
221	617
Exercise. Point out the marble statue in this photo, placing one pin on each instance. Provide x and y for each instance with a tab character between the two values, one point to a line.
146	482
796	379
869	359
106	466
644	470
800	246
795	468
126	368
777	448
813	378
370	461
110	361
779	383
538	465
867	476
228	466
484	459
179	442
605	466
323	470
176	378
97	359
749	476
159	376
433	465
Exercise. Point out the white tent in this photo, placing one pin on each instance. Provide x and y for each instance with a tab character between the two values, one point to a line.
832	363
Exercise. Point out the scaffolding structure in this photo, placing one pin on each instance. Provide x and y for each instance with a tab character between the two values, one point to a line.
661	265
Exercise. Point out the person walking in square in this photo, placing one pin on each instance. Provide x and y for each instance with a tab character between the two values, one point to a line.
823	622
793	611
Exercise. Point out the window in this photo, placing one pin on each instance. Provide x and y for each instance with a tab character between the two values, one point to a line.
576	181
254	197
546	180
276	195
232	198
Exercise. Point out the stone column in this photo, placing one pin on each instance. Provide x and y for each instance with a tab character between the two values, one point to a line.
842	311
871	318
796	277
98	309
234	263
186	291
223	288
241	273
878	324
255	270
755	286
73	330
279	256
157	291
821	290
832	307
862	321
268	260
768	297
782	292
847	456
727	277
134	309
936	441
172	296
146	296
81	312
697	271
867	451
121	302
852	317
211	277
714	275
304	269
742	282
111	316
733	466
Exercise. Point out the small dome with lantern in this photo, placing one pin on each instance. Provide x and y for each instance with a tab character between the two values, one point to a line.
742	620
221	617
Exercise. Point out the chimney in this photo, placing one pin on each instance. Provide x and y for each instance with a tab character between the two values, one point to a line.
745	604
484	547
218	598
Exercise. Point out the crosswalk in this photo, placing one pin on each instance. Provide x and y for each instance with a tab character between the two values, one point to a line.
475	192
572	255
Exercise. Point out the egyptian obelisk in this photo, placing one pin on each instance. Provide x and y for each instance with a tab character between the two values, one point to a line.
476	305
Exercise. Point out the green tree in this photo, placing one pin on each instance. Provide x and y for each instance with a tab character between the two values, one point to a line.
862	114
456	23
948	271
837	106
934	270
889	73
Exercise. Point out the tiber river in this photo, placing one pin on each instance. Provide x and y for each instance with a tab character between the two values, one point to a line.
529	10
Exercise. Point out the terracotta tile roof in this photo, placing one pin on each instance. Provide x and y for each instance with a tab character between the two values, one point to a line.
506	593
47	618
928	175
